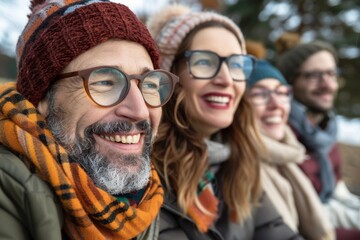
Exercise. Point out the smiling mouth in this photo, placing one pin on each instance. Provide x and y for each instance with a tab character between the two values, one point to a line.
273	120
219	100
125	139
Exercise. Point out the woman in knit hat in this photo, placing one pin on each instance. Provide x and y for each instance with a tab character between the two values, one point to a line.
208	148
286	185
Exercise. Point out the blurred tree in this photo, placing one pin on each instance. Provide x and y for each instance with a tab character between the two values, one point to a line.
335	21
217	5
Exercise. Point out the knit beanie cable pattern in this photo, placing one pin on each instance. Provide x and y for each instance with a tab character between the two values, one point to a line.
264	69
171	25
60	30
291	61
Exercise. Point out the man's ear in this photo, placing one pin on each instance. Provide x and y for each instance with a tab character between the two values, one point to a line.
42	106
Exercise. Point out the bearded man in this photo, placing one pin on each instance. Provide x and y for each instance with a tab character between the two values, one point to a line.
77	126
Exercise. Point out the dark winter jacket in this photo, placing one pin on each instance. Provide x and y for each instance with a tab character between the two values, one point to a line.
265	223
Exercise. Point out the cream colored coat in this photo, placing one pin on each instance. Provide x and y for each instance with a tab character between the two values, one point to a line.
290	190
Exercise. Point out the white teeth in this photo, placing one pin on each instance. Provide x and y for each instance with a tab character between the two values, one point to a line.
136	138
274	119
126	139
218	99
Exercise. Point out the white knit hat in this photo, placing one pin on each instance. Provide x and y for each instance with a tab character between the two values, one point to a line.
172	24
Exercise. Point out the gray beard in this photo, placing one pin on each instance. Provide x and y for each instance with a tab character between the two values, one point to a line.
112	174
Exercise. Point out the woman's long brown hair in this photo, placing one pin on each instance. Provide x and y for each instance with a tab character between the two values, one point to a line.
180	154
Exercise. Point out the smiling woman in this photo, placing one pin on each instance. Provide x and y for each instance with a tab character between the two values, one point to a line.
284	182
208	147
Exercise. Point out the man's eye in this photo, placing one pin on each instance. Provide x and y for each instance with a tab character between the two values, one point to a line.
312	74
103	83
150	86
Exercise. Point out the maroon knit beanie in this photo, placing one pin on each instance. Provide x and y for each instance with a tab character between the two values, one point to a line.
60	30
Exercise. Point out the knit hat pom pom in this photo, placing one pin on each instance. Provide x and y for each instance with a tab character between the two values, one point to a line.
160	19
256	49
36	4
287	41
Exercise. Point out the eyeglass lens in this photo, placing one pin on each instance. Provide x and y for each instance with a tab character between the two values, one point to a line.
261	95
319	74
206	64
107	86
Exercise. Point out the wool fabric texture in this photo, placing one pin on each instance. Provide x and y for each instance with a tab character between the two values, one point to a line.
60	30
291	191
90	212
291	61
171	25
262	70
320	142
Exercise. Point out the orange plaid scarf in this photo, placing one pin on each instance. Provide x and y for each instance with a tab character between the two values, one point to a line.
90	212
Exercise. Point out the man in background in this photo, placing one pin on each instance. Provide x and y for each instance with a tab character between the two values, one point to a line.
312	71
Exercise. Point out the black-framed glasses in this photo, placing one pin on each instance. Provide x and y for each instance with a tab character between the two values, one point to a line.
261	95
107	85
316	77
206	64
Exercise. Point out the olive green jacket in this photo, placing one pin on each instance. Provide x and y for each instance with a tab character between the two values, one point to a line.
28	207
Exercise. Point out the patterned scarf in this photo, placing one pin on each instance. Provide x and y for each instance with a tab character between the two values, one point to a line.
205	211
90	212
319	141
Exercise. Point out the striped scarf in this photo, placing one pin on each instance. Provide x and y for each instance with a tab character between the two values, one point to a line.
218	153
205	211
90	212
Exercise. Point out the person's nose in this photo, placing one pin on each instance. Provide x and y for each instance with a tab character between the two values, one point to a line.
133	106
328	81
223	77
273	101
